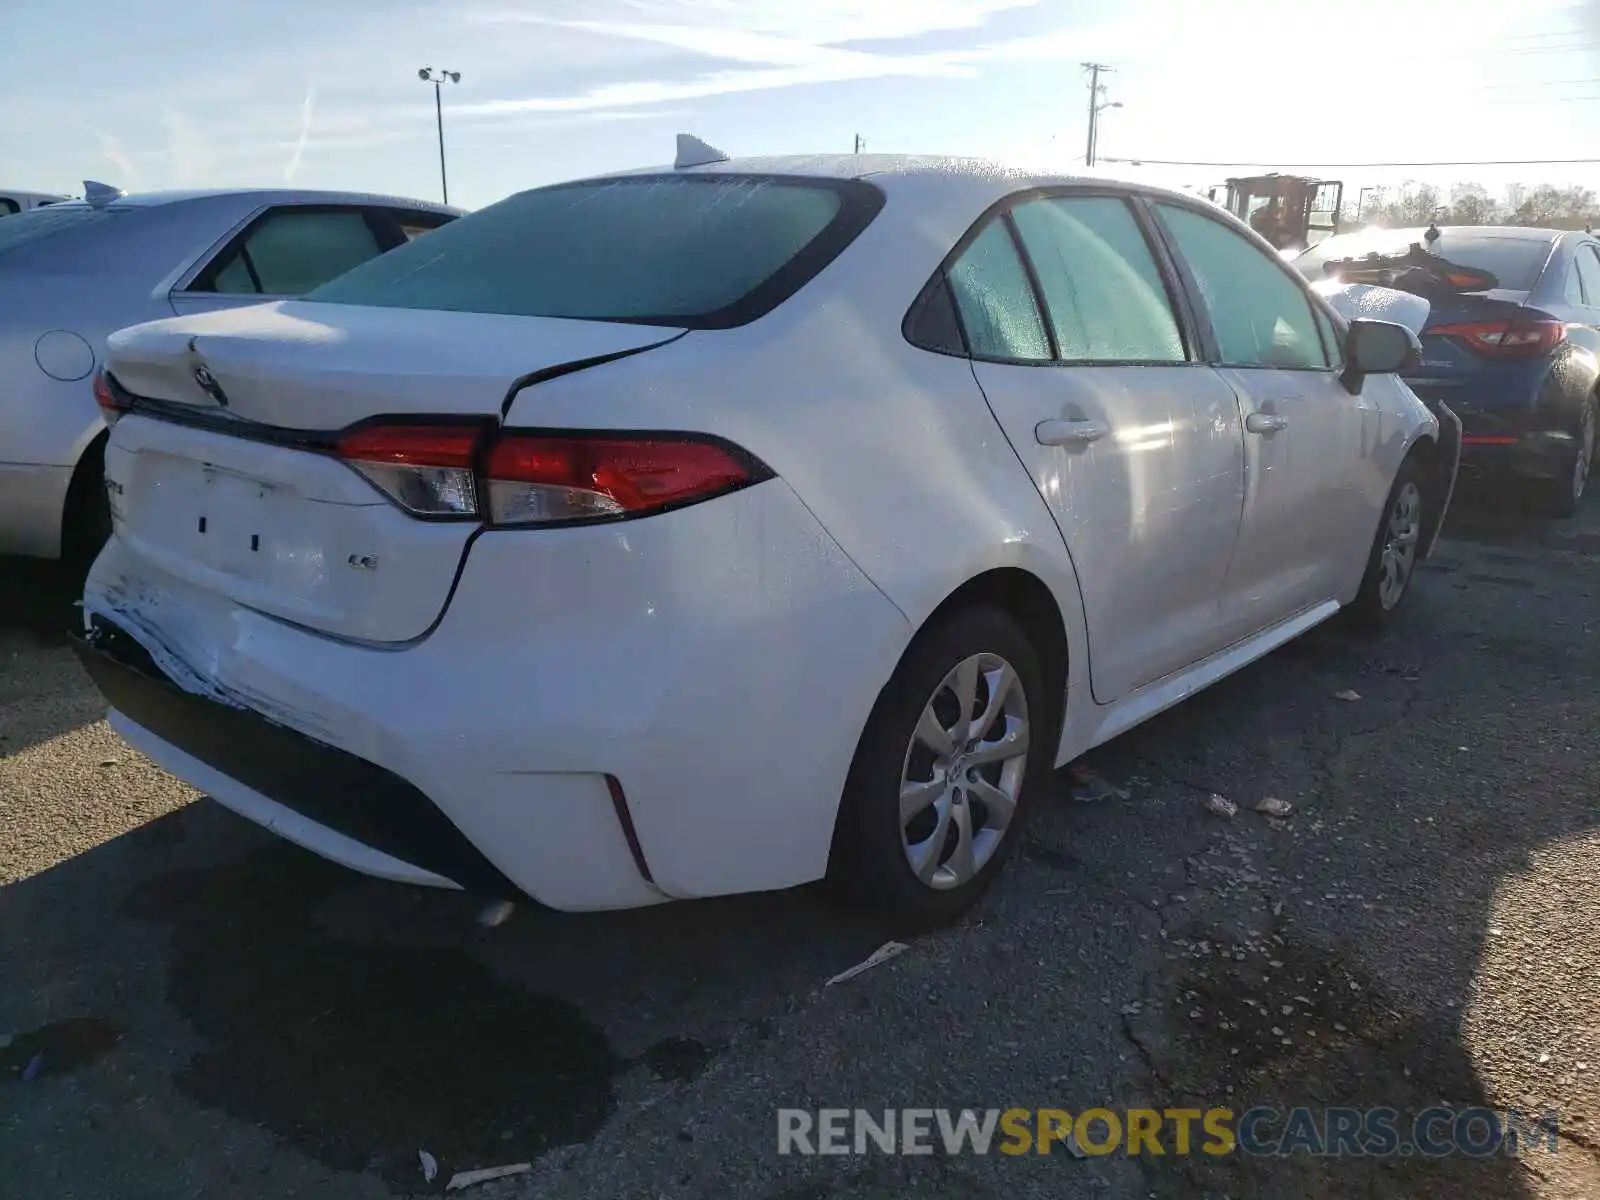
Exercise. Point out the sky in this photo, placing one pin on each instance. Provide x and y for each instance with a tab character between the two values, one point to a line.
324	93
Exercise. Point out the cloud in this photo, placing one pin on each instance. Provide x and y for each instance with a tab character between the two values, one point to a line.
779	44
114	154
471	126
293	168
720	83
817	23
824	66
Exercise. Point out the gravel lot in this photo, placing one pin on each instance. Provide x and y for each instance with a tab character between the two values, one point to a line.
223	1014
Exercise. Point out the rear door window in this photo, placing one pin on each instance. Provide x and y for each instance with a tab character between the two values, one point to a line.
1573	293
995	299
288	252
413	225
1589	271
1102	290
691	251
1261	316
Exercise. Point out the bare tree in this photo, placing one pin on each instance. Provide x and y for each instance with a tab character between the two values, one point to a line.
1471	204
1540	207
1577	202
1417	204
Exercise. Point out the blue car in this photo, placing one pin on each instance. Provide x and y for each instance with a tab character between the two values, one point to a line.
1512	343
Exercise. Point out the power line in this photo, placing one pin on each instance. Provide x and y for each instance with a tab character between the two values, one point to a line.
1368	166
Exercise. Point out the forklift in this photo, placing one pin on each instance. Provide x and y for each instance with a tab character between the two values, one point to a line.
1290	211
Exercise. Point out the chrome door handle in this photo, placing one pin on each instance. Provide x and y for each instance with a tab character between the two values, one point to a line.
1061	432
1260	422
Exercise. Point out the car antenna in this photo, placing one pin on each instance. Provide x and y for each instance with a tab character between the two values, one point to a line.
101	194
692	152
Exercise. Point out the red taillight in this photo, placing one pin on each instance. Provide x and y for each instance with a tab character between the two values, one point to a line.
537	479
425	469
111	406
1525	338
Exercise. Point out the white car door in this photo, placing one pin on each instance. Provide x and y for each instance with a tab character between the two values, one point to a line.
1308	441
1133	441
288	250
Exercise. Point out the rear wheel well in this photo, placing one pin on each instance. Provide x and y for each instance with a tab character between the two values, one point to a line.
1023	596
81	529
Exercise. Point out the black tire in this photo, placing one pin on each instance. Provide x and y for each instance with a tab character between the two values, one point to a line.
1375	603
86	523
869	865
1562	497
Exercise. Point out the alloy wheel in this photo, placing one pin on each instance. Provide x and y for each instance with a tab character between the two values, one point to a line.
1585	460
1399	555
963	771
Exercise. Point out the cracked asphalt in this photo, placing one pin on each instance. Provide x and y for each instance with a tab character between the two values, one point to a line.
191	1007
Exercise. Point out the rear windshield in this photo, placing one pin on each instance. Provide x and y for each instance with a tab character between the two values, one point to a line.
39	223
1515	262
695	251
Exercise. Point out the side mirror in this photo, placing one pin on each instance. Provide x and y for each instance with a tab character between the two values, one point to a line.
1377	348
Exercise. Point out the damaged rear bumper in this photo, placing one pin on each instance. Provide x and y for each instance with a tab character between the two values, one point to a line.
327	787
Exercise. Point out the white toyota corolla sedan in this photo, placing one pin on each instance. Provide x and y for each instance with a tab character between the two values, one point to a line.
722	527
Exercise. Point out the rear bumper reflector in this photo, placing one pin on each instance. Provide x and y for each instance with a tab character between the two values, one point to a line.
332	787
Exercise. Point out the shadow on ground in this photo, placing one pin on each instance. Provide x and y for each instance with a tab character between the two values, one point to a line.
39	597
43	693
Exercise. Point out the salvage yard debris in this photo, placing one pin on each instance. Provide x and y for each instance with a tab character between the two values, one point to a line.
877	958
465	1179
1221	806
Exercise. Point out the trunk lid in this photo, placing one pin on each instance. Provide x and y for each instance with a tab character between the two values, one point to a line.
228	481
305	366
1468	381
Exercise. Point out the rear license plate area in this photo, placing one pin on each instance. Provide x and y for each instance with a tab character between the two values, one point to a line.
217	518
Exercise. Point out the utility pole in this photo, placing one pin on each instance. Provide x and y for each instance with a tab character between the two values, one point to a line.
1096	106
429	75
861	143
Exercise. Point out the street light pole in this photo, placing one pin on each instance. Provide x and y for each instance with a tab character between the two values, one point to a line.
1094	136
437	78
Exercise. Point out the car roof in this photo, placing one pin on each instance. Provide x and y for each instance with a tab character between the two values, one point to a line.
989	174
1519	233
266	196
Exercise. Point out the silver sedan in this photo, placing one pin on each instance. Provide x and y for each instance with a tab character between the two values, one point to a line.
72	273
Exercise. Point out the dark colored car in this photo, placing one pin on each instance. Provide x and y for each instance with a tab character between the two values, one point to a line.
1511	342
